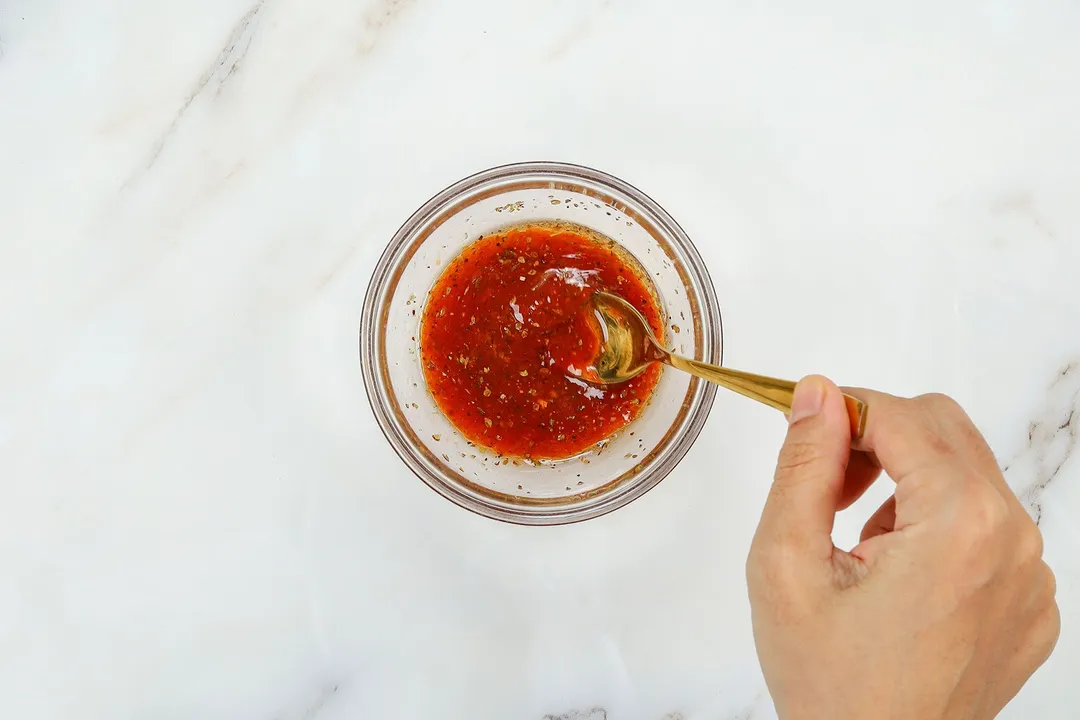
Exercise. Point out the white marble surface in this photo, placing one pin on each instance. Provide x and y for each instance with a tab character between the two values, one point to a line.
199	516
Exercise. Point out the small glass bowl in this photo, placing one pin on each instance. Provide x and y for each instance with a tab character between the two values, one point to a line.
542	493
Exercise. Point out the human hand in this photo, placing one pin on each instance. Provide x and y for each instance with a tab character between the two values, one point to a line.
943	610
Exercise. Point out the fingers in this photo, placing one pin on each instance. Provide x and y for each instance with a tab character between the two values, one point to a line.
882	521
907	435
1046	621
862	471
1050	633
904	434
1043	621
810	471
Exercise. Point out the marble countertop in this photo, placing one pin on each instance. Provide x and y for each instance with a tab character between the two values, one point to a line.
200	518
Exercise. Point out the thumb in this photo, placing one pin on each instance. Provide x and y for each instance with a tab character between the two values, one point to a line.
810	471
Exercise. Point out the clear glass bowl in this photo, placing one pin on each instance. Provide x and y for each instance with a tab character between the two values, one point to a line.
630	462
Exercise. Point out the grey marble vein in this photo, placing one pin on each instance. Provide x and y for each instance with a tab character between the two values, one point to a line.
215	76
746	713
377	20
315	708
595	713
1023	205
1051	441
751	712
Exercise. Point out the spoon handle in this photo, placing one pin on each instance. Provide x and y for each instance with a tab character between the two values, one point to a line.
771	391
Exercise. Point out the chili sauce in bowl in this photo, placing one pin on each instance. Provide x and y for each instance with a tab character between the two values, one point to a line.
476	325
507	329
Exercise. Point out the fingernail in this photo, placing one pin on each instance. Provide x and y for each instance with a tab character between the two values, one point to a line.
808	400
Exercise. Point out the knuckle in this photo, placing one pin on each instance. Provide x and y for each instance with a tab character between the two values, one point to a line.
974	440
1051	582
1031	542
918	426
940	404
985	512
796	456
946	417
1049	630
951	431
938	443
899	417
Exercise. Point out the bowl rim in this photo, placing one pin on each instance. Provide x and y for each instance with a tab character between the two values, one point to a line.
702	394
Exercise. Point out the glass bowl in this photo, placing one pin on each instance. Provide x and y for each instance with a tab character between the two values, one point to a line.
617	471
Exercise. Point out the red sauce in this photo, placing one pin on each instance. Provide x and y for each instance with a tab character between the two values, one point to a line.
507	326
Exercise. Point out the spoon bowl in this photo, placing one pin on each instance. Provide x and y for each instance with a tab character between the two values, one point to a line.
627	346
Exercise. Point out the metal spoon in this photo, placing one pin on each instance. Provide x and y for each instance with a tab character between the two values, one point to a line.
628	346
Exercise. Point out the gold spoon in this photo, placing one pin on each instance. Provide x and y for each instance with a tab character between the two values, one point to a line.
628	346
